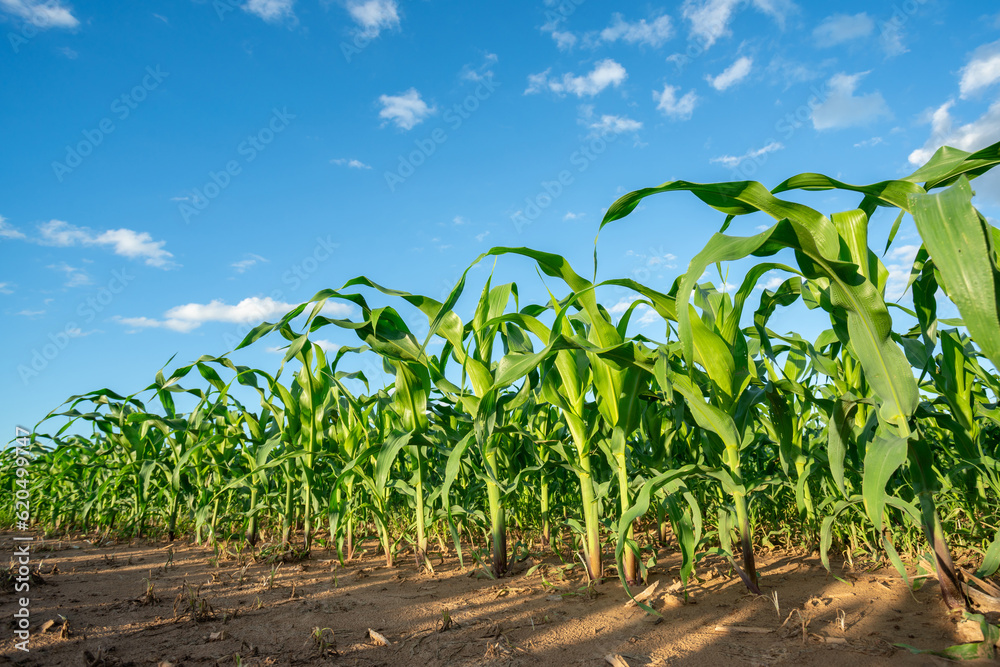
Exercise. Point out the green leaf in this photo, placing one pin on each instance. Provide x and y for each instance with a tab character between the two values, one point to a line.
958	241
886	453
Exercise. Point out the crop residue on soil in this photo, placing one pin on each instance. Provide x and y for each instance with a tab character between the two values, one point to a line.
125	605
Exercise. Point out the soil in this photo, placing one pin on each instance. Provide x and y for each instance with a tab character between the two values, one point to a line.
316	611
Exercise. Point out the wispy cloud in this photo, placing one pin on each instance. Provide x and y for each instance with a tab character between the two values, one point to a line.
710	19
615	125
75	277
842	108
732	74
982	70
867	143
406	110
605	73
7	231
899	261
677	108
5	288
352	163
242	265
732	161
653	33
839	28
47	14
969	137
189	317
564	40
483	72
272	11
124	242
374	16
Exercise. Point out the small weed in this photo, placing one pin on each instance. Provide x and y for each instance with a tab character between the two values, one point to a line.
324	641
190	603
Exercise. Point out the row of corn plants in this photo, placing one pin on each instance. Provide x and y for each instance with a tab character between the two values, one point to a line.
549	426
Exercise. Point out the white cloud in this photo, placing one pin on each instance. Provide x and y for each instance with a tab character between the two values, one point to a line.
374	16
48	14
773	283
352	163
5	288
842	108
60	233
734	161
605	73
732	74
649	316
899	261
840	28
271	11
459	220
969	137
654	33
406	110
572	216
482	235
74	277
124	242
623	305
867	143
710	18
242	265
892	41
789	72
251	310
8	232
982	70
31	314
615	125
483	72
645	314
136	323
678	109
133	245
564	40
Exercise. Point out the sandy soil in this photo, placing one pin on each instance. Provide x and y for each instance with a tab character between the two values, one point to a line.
205	612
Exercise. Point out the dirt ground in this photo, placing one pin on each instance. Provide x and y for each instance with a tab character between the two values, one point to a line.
208	612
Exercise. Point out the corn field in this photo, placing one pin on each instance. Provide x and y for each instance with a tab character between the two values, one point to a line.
548	427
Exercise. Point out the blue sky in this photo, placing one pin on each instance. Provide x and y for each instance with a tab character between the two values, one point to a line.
173	173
